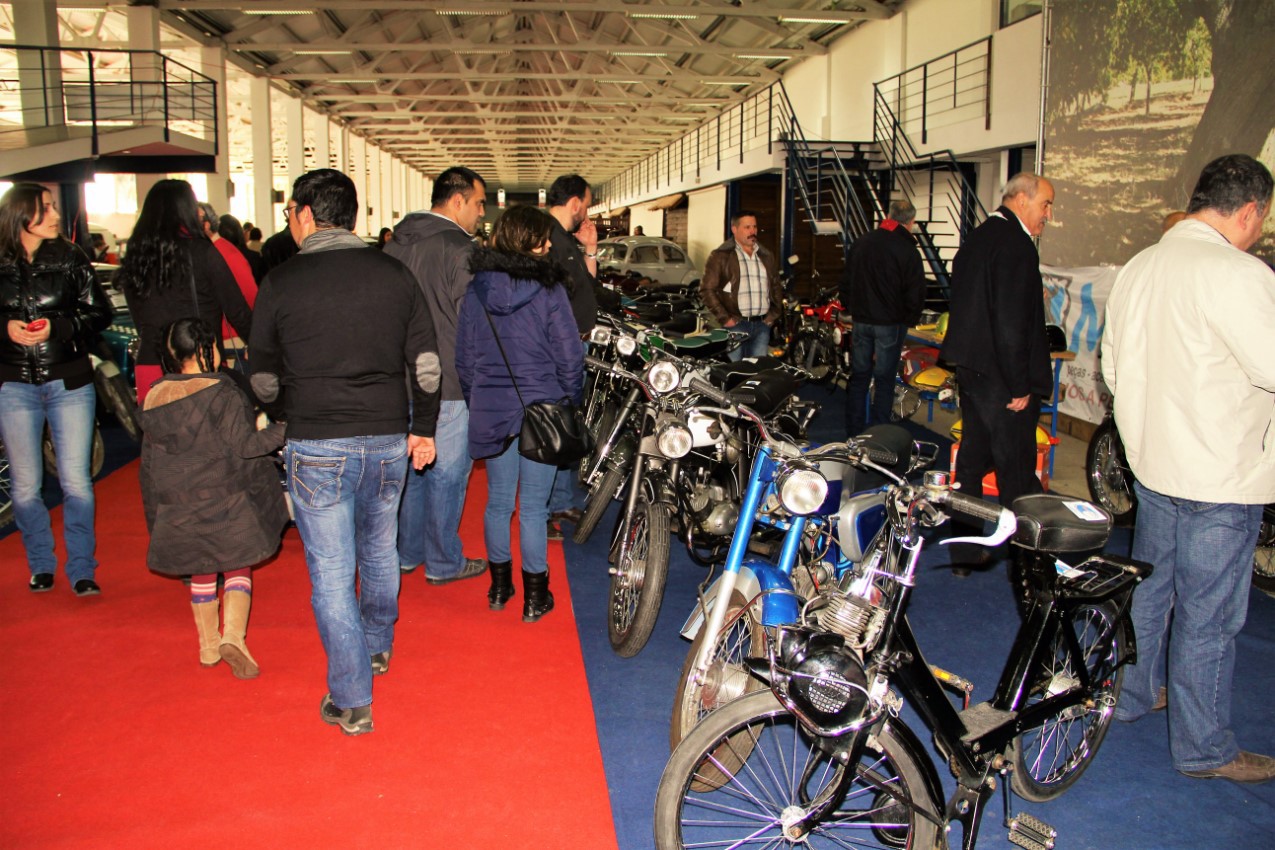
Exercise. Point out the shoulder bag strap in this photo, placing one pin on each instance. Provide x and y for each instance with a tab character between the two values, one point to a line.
522	403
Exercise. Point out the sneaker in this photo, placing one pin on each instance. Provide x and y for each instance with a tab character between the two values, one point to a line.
473	567
571	515
407	568
381	663
353	721
553	531
87	587
1245	767
40	582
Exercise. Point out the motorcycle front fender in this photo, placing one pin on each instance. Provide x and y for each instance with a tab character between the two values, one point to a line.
779	604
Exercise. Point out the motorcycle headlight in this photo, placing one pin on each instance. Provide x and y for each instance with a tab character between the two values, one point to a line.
673	439
663	376
626	345
801	490
600	335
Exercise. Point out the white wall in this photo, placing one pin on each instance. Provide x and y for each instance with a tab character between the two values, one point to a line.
651	221
706	223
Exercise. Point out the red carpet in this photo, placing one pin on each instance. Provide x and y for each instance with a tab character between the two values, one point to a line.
116	737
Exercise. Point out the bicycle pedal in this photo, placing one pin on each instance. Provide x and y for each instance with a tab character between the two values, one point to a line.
1031	833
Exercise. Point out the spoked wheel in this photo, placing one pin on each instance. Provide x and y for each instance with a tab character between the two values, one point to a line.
118	398
1108	475
596	505
1264	555
1048	760
749	775
599	427
726	677
637	581
96	463
907	400
808	354
6	490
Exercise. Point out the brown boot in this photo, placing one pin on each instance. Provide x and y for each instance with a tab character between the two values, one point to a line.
233	649
206	621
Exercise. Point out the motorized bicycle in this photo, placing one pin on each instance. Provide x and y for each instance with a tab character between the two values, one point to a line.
822	758
678	465
1110	483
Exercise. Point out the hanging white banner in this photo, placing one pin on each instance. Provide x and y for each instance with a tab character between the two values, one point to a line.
1076	300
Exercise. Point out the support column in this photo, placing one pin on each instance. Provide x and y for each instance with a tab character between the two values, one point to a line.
213	65
375	195
143	34
39	72
294	121
322	141
262	158
358	173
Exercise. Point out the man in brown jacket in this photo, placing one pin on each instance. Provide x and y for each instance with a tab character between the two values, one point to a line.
741	286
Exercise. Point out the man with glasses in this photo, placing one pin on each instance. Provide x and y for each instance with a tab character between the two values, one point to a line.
352	327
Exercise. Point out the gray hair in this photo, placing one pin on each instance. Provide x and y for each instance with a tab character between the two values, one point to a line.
902	211
1022	183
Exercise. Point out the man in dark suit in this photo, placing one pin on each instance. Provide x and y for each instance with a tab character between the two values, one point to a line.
996	339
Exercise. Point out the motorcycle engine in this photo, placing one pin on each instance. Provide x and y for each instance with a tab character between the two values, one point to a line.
713	511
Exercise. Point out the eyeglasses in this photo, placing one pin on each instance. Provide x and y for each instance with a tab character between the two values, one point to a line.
288	212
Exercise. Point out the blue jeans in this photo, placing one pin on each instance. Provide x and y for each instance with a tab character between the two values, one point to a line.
345	495
510	474
24	408
758	342
433	500
874	359
1203	558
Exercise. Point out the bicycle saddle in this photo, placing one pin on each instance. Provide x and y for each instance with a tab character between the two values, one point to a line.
1050	523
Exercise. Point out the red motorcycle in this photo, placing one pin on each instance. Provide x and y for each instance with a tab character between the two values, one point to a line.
821	341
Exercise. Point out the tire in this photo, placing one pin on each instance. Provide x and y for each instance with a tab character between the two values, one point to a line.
637	581
807	353
119	400
1264	554
6	490
726	678
781	771
1049	759
1108	476
95	463
598	428
596	505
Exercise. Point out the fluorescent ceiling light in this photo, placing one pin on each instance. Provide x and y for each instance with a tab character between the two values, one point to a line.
639	53
625	82
345	81
726	82
473	12
329	52
667	16
276	11
800	20
763	56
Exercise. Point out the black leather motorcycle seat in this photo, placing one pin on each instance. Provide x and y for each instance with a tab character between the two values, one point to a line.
762	383
1051	523
683	324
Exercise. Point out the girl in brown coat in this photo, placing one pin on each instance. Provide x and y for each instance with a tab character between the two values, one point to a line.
211	492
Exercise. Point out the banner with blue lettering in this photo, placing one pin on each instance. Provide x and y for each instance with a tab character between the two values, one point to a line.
1076	300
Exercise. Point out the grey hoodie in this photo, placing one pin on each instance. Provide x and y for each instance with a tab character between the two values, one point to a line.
437	250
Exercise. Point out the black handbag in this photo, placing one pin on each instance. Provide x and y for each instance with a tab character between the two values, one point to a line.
553	432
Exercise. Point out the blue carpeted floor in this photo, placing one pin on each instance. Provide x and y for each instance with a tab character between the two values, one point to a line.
1130	798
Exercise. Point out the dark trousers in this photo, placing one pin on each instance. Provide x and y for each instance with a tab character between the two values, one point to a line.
994	438
874	359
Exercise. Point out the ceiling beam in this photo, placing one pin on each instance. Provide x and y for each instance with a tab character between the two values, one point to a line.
339	77
469	47
638	103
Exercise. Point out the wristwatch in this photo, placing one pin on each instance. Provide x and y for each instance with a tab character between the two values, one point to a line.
590	256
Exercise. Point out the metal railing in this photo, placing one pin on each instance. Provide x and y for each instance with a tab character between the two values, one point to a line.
44	87
946	90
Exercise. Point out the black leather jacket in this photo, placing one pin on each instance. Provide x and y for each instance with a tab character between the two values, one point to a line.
58	285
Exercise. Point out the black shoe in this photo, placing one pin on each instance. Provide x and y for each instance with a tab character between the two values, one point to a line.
553	531
502	585
40	582
962	572
86	587
572	515
536	598
473	567
381	663
353	721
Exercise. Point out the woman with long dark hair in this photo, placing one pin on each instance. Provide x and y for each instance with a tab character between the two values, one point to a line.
52	307
172	271
516	339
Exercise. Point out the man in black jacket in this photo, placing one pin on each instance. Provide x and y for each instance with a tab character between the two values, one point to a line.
436	245
996	339
341	329
884	290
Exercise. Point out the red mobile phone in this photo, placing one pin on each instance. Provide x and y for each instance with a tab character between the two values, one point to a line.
37	326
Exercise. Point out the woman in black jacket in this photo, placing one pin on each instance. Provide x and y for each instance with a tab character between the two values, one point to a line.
52	307
172	271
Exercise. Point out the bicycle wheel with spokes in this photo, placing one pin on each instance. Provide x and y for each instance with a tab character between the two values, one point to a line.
6	490
1108	475
749	775
637	580
1049	759
726	677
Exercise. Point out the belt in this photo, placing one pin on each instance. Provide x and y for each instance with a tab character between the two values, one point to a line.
757	318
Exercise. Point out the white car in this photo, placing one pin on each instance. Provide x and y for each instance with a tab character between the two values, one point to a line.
662	260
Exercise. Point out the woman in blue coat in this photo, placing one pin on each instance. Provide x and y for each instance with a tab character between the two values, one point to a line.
516	325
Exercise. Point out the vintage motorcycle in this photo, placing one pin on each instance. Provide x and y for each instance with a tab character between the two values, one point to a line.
818	753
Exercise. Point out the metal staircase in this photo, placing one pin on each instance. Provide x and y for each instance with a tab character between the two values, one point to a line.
844	189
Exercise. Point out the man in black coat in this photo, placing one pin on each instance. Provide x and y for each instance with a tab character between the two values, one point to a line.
996	339
884	290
